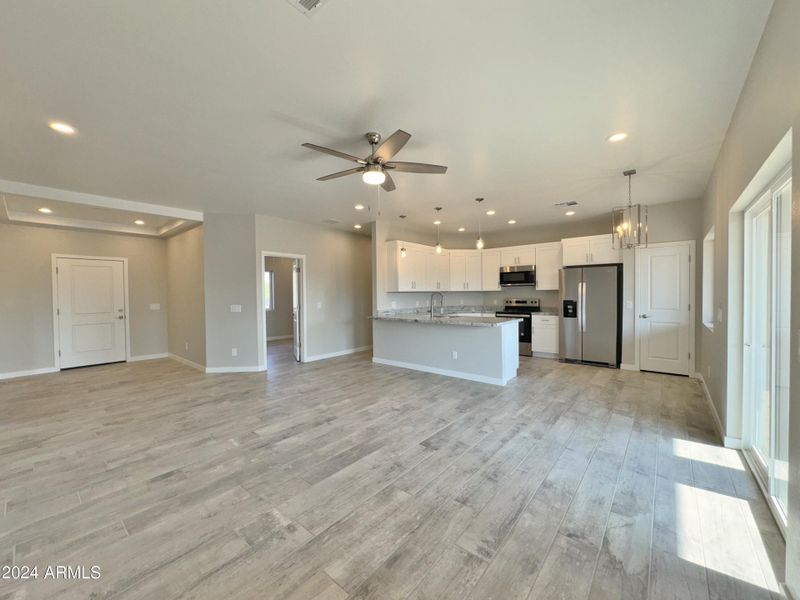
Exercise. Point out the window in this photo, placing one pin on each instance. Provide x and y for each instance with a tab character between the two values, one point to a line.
708	280
269	290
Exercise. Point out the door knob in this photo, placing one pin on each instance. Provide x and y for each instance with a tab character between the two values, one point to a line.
121	317
644	316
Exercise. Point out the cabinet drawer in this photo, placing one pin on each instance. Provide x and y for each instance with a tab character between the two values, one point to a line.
545	320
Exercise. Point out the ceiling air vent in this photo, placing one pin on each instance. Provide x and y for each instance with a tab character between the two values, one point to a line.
308	7
567	203
331	222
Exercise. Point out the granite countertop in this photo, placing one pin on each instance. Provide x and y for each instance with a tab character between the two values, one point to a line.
445	319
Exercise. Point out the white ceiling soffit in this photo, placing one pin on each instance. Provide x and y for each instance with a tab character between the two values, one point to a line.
203	106
27	210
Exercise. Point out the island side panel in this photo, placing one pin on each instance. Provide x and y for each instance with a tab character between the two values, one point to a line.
483	353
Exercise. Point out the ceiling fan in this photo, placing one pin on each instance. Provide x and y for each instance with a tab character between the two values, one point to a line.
375	168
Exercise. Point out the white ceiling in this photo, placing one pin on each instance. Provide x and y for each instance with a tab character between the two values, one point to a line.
203	104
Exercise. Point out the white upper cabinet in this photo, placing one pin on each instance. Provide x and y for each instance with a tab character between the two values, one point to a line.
437	271
406	274
590	250
602	251
548	264
518	255
491	263
465	271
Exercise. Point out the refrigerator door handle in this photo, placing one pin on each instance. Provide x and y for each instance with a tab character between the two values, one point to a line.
583	306
580	306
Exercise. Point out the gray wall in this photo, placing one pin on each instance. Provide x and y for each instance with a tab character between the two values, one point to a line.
232	276
768	107
186	296
279	320
338	268
26	296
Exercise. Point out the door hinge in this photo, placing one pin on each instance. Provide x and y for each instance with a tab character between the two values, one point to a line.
56	270
690	258
59	352
58	311
690	307
690	355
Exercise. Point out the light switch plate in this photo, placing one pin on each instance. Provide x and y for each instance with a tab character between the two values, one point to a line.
319	304
629	304
155	307
234	352
236	308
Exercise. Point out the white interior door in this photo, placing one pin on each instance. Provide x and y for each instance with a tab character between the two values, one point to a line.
91	311
296	308
664	314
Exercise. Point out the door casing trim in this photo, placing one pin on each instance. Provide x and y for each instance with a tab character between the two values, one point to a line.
56	333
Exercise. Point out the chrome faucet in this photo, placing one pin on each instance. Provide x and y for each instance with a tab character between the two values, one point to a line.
441	306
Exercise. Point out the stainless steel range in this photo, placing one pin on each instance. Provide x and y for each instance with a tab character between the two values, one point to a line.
522	308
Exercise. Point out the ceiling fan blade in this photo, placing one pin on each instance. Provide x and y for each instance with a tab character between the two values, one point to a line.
341	174
412	167
388	184
333	152
391	145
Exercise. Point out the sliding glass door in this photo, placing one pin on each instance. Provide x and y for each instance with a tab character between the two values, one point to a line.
766	336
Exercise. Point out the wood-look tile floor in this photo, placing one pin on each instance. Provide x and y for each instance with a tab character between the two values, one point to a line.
345	479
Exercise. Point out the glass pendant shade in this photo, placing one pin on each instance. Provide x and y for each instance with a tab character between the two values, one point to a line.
402	252
629	223
438	248
479	243
629	226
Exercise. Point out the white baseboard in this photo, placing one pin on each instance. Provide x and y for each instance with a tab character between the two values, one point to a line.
42	371
245	369
186	361
337	353
148	357
437	371
717	421
279	337
628	367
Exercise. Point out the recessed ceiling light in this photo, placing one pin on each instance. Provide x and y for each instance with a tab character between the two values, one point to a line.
359	207
617	137
462	228
44	210
512	222
569	213
437	222
357	226
139	222
490	212
60	127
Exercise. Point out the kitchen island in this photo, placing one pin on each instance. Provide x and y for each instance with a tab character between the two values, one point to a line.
478	348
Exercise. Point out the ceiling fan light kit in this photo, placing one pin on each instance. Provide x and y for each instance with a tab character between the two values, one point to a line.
375	167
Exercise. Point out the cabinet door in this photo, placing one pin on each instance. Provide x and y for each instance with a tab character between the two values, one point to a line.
575	251
443	271
545	339
601	250
526	255
458	272
508	257
548	263
490	262
416	269
431	272
473	271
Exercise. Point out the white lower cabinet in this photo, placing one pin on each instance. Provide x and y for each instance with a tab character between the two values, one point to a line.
545	334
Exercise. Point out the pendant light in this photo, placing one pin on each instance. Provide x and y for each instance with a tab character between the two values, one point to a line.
479	242
438	222
629	227
402	233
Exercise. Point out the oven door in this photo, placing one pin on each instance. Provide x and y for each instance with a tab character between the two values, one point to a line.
517	276
525	331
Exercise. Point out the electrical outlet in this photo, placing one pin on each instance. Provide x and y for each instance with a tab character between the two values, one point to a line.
234	352
394	304
455	355
462	302
417	302
319	305
185	345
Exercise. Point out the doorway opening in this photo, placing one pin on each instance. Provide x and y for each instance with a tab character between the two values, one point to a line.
282	294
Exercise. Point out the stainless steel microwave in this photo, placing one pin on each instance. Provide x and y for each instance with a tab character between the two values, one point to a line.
517	275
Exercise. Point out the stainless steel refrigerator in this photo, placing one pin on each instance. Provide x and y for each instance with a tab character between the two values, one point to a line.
591	314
